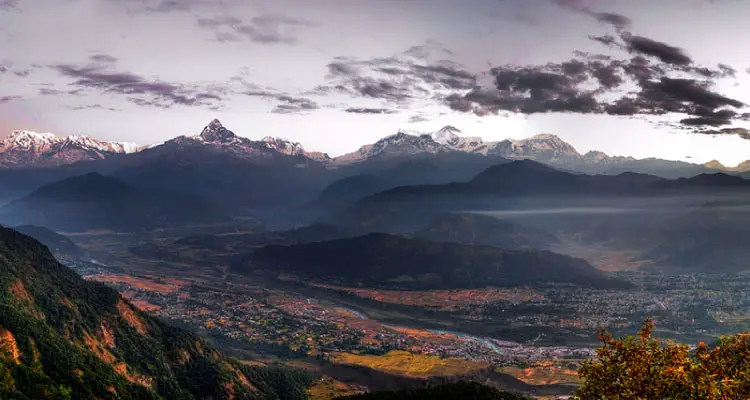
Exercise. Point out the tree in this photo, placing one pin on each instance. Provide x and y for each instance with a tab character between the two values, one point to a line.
643	367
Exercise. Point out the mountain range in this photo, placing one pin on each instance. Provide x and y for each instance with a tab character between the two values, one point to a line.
95	201
25	149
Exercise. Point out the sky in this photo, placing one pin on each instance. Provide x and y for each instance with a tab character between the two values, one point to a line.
642	78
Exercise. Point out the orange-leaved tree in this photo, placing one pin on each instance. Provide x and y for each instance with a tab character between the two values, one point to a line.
645	368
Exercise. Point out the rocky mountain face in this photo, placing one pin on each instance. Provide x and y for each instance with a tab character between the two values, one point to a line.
216	136
26	149
401	144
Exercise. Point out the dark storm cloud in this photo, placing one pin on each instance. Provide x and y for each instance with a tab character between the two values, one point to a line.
266	29
139	90
396	79
598	84
664	52
366	110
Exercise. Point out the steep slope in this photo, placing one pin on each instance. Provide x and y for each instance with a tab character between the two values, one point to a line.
63	337
485	230
382	259
95	201
61	246
26	149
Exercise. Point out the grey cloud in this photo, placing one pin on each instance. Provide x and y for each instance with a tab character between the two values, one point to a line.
396	79
50	92
366	110
266	29
288	104
664	52
7	5
94	107
160	6
103	58
593	85
620	22
607	40
137	89
425	51
8	99
294	105
741	132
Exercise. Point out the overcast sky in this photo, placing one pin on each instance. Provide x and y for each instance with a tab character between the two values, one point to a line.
644	78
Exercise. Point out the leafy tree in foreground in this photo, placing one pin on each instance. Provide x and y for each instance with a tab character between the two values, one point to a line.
643	367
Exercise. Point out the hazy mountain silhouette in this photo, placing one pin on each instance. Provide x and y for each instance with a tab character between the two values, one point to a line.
95	201
383	259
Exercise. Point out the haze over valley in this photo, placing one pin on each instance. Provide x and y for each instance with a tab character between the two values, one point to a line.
321	199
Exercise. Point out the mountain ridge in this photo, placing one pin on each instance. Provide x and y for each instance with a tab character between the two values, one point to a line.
24	148
544	147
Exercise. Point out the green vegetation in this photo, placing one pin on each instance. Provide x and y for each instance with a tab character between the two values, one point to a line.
459	390
643	367
65	338
403	363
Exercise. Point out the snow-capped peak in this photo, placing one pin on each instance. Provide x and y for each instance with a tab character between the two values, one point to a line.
446	134
23	148
22	139
216	132
284	146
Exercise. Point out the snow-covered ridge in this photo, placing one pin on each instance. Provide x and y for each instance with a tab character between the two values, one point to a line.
30	141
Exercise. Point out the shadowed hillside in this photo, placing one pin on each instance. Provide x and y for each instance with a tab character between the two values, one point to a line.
382	259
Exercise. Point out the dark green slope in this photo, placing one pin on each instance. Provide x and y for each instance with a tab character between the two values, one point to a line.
383	259
65	338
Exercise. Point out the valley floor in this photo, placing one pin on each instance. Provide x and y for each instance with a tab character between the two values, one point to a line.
536	335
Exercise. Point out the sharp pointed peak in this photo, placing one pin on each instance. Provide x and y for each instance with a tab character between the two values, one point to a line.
216	132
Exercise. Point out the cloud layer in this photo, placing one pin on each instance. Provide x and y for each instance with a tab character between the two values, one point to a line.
656	79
